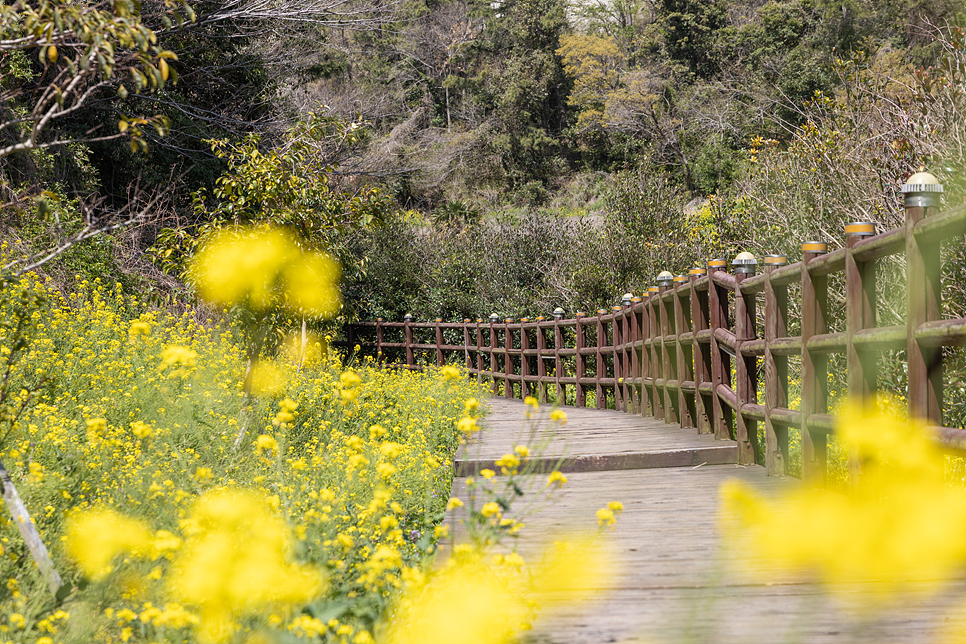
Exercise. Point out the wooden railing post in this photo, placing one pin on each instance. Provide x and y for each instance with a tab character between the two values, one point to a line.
508	369
379	356
656	395
558	359
814	367
746	367
626	354
480	363
860	305
439	343
668	354
580	369
617	352
776	369
467	360
924	301
495	386
601	370
524	359
541	365
683	350
720	362
700	351
636	314
408	332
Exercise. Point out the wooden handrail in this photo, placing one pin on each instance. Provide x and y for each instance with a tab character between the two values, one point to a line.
675	353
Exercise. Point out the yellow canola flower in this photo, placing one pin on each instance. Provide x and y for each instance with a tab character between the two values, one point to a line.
449	373
531	402
900	521
491	509
139	328
236	562
558	416
182	360
556	478
95	537
265	443
312	285
467	425
453	503
469	602
265	267
466	603
267	378
471	405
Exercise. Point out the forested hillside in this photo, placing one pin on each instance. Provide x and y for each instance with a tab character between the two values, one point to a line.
463	157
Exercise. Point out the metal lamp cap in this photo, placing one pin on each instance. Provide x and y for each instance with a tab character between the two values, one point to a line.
465	320
408	317
775	260
626	299
680	279
744	263
860	228
479	320
922	190
558	313
615	308
814	247
698	272
508	320
439	319
494	318
719	262
636	299
378	319
580	314
540	318
524	319
664	278
651	290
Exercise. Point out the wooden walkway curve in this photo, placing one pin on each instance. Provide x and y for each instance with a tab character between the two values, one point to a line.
674	582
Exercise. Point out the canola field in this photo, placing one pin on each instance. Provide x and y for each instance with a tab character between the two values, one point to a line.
176	507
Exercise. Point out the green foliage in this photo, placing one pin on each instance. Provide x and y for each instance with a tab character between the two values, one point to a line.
288	185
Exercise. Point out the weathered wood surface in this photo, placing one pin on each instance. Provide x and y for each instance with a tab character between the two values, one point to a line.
672	581
594	440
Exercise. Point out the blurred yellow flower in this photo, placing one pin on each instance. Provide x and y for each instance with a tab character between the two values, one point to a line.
900	521
266	267
558	416
95	537
236	561
265	443
449	373
556	478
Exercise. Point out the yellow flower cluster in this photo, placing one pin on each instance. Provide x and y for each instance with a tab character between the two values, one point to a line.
899	521
264	268
134	481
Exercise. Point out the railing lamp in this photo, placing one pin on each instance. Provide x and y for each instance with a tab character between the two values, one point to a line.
922	190
408	317
494	318
626	299
558	313
664	278
745	263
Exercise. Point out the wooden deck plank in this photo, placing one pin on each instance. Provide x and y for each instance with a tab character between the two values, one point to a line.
672	580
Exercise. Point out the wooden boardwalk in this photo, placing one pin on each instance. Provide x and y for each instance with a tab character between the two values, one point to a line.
673	581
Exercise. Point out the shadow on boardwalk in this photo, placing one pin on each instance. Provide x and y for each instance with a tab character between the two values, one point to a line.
673	582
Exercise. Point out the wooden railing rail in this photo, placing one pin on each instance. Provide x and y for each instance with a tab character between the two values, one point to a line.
691	351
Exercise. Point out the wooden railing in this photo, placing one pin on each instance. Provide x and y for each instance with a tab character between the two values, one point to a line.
688	351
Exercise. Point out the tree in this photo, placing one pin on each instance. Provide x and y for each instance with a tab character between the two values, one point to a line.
83	50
